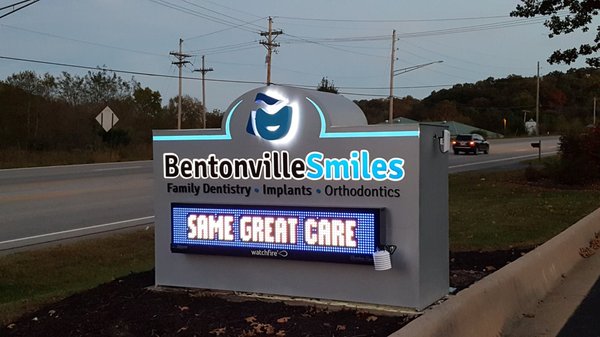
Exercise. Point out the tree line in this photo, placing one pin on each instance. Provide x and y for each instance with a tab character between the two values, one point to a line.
46	112
566	103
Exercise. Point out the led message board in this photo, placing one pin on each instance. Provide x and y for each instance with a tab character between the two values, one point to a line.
299	233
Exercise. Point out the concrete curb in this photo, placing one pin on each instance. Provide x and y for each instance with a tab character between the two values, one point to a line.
490	306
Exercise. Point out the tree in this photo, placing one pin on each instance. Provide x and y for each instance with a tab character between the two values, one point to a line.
581	13
102	87
31	83
99	87
71	88
327	86
214	119
147	101
191	112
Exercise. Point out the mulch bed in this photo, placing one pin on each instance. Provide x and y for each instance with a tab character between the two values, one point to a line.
127	307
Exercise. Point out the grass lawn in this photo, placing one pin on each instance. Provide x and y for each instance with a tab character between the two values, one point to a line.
488	211
499	210
31	279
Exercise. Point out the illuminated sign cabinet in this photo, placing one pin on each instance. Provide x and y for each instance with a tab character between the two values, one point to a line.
296	195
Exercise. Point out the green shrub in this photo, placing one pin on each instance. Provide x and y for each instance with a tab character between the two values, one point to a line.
579	158
533	174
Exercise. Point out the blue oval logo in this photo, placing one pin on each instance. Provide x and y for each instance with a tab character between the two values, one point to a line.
272	121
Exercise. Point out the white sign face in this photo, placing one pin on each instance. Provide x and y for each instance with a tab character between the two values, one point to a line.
107	119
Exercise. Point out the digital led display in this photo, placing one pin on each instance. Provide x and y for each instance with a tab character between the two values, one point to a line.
317	234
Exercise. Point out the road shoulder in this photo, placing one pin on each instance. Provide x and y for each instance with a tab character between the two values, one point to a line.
552	313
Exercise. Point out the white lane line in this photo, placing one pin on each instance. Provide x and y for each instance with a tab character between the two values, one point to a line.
147	218
73	166
118	168
500	160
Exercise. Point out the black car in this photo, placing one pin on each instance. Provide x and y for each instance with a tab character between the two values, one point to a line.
473	143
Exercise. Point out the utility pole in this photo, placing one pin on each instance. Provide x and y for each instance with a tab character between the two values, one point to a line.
537	102
180	56
270	45
391	109
203	70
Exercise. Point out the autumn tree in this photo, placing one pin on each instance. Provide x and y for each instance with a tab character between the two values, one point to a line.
579	17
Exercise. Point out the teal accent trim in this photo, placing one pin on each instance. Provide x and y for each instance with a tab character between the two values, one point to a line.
374	134
321	116
359	134
190	137
226	136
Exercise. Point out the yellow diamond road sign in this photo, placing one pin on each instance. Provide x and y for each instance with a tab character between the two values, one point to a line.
107	119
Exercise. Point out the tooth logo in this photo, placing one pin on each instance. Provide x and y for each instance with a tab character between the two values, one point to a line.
272	120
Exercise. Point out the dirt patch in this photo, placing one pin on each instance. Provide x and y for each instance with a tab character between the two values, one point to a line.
467	268
127	307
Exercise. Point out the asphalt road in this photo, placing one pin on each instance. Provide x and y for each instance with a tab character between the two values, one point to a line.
51	203
584	322
503	153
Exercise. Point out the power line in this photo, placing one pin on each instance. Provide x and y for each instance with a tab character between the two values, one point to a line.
201	15
19	8
223	30
225	48
120	71
393	20
13	5
333	47
222	14
82	41
148	74
325	42
230	50
234	9
473	28
444	31
208	51
307	39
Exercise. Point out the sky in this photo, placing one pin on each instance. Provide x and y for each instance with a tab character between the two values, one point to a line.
349	42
